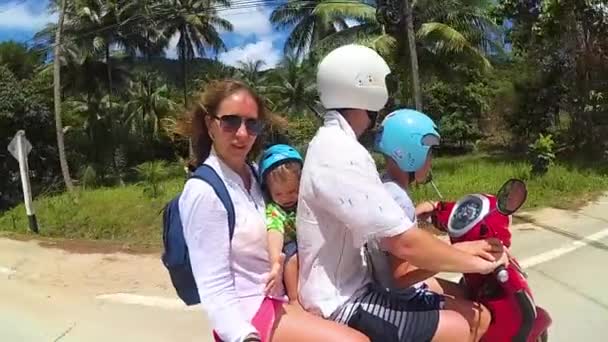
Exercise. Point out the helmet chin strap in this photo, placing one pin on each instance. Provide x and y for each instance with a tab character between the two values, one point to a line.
411	177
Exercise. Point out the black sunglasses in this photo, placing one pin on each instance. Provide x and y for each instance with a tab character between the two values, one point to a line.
233	122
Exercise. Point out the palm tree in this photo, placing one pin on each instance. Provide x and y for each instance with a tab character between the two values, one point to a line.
57	99
197	23
446	30
215	70
250	72
148	102
145	33
291	86
91	29
104	23
307	27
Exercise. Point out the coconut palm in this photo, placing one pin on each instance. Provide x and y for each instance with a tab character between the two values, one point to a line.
99	25
197	23
251	72
307	26
148	101
443	28
291	86
63	161
446	31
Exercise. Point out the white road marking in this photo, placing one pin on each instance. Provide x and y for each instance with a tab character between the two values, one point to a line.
176	304
568	248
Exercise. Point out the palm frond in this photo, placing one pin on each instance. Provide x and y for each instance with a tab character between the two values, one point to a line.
352	9
441	38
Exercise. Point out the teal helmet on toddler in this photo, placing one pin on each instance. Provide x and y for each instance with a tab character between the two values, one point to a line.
276	155
406	136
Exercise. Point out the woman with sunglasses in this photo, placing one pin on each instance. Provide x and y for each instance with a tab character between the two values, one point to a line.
231	274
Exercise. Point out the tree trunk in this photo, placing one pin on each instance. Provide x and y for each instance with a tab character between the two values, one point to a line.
148	53
109	71
57	99
182	54
411	38
185	78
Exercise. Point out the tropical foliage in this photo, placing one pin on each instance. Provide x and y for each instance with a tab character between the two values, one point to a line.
491	73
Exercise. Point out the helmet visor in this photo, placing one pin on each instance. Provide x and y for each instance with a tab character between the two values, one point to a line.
430	140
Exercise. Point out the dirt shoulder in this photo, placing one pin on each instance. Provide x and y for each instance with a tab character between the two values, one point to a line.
82	267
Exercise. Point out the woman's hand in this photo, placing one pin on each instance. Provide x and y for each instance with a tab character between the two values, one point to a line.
275	276
489	249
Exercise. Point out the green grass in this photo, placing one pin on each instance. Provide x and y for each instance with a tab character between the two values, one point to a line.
126	215
564	186
121	214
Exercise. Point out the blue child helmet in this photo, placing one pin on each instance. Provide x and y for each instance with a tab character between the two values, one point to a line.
276	155
406	136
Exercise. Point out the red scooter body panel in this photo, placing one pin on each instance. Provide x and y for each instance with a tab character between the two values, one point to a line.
515	317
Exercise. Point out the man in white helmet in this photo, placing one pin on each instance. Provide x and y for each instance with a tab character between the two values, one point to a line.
343	204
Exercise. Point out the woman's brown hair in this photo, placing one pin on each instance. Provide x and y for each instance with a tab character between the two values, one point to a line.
195	127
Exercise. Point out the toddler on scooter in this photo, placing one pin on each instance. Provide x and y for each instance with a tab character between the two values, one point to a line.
411	134
280	169
406	138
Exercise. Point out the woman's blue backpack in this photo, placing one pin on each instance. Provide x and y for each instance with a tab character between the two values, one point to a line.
175	256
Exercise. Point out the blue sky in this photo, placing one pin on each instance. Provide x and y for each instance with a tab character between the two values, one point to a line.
253	36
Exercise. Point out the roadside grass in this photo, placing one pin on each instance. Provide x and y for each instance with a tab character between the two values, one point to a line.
120	214
565	186
126	215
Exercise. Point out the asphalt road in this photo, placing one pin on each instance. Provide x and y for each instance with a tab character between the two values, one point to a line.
53	295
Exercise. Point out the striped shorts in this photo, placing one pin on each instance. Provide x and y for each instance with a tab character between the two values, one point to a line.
389	317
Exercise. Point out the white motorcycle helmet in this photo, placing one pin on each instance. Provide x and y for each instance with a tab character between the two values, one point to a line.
353	76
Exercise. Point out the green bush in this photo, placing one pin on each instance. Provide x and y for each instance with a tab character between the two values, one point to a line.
151	175
541	154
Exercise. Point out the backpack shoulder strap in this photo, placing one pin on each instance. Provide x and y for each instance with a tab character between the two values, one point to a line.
207	173
254	172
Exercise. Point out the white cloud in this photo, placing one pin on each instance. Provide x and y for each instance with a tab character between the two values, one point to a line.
262	50
16	16
247	20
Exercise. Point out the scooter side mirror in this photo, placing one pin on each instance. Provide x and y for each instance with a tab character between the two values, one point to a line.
511	196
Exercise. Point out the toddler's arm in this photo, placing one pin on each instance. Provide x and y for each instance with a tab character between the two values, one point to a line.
276	257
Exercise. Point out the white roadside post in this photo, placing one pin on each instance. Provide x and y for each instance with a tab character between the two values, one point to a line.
19	148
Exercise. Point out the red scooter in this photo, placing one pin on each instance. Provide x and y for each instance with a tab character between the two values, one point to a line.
506	293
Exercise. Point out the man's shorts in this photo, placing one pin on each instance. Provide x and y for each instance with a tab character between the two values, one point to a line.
425	299
390	317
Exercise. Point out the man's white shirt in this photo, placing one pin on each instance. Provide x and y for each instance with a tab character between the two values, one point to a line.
342	205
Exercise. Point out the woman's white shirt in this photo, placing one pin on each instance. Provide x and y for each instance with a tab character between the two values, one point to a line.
230	275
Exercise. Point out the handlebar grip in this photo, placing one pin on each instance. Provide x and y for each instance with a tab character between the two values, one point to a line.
501	274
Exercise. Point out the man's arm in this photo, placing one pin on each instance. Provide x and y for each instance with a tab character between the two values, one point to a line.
425	251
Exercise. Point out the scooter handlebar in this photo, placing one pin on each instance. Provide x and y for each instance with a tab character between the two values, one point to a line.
502	275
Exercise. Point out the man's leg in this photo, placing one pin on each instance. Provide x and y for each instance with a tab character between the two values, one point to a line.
391	317
452	327
477	315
